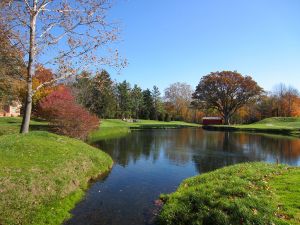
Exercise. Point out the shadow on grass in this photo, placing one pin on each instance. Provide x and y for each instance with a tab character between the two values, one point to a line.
39	127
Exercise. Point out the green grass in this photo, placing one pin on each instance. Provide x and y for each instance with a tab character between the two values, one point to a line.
11	125
249	193
146	124
43	176
281	122
278	125
111	128
287	187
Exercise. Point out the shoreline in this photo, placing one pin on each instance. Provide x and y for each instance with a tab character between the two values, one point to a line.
232	128
114	128
257	192
60	171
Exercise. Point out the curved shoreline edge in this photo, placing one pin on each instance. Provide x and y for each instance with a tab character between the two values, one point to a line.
254	193
43	176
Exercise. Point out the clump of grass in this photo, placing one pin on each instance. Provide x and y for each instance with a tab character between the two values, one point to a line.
43	175
250	193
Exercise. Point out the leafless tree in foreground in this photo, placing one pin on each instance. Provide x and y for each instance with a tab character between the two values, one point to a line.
68	35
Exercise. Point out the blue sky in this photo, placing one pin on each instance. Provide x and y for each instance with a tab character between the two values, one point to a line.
166	41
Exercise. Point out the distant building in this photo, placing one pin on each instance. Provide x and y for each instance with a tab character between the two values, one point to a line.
212	120
10	110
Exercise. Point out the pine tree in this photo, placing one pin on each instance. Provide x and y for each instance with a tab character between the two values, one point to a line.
137	101
157	104
147	112
124	99
97	94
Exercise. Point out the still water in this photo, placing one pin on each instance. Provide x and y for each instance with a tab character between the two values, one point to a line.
151	162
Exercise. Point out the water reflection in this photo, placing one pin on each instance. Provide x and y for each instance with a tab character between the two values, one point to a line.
151	162
207	149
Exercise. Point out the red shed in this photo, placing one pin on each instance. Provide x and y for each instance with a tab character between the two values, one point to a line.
212	120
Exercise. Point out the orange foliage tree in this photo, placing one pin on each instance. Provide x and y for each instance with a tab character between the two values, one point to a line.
287	101
226	92
12	69
41	76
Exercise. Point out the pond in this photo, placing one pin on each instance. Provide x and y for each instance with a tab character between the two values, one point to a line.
151	162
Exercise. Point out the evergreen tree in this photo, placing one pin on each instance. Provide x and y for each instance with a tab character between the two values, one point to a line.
147	112
137	101
83	90
97	94
105	103
124	99
157	104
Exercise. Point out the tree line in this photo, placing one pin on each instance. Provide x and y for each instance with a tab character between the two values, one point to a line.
237	98
30	29
110	99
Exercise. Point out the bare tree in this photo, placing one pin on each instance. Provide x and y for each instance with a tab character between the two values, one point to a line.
179	94
66	35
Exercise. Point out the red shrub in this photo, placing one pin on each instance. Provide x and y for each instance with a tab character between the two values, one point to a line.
66	116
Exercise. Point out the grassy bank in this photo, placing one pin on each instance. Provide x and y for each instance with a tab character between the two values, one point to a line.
250	193
275	125
43	175
111	128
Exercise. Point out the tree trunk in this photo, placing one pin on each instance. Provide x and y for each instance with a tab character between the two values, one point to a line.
30	73
27	110
226	120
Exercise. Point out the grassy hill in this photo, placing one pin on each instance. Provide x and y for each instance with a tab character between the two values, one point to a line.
43	175
280	122
277	125
250	193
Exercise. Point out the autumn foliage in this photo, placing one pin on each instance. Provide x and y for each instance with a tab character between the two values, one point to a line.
226	92
41	76
66	116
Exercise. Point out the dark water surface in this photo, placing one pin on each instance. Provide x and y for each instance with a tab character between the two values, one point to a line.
151	162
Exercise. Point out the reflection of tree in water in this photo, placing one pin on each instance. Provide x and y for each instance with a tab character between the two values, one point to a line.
177	147
286	150
229	148
132	147
207	149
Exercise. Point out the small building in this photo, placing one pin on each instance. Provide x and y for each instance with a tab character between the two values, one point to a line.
10	110
212	120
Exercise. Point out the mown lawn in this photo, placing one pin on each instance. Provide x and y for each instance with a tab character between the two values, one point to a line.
278	125
11	125
43	176
249	193
111	128
145	124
